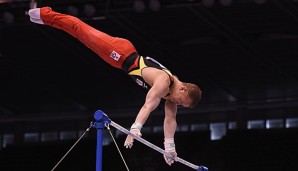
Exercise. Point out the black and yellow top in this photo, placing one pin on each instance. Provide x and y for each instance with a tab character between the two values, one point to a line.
134	64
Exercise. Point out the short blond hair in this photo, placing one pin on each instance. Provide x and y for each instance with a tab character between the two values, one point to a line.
194	93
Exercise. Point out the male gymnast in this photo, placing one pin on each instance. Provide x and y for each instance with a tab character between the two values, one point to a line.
145	71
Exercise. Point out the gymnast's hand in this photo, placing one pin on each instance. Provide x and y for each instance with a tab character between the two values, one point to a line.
136	130
170	148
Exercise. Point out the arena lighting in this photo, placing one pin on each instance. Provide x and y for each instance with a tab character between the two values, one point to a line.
32	4
4	1
208	3
154	5
89	10
139	5
226	2
8	17
72	10
260	1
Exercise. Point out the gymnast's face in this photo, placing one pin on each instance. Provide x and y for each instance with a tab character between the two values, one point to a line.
180	97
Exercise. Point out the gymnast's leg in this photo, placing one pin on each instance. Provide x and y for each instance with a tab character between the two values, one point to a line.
113	50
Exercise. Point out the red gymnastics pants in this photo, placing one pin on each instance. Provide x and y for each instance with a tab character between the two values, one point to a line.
113	50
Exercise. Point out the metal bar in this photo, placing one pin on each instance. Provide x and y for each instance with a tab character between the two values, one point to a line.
152	145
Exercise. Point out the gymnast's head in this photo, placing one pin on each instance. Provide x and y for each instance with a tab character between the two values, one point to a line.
194	93
185	94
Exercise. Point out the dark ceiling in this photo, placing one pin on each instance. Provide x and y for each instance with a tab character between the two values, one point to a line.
241	54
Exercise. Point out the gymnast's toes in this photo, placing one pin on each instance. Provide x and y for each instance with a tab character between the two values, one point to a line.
34	13
38	21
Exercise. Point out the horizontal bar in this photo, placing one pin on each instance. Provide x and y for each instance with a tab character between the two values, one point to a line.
142	140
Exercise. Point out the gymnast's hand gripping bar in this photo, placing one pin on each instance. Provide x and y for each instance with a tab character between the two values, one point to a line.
99	115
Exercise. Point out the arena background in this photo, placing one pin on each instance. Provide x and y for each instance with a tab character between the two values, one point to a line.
242	53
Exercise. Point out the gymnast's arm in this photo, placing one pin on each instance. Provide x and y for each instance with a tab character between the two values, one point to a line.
158	90
153	98
170	123
151	102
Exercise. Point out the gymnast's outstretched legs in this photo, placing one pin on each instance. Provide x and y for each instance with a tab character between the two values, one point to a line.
113	50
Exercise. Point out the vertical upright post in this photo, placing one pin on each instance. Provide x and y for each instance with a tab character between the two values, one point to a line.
99	149
101	120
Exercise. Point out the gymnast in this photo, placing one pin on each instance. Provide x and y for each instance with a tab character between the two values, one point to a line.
145	71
